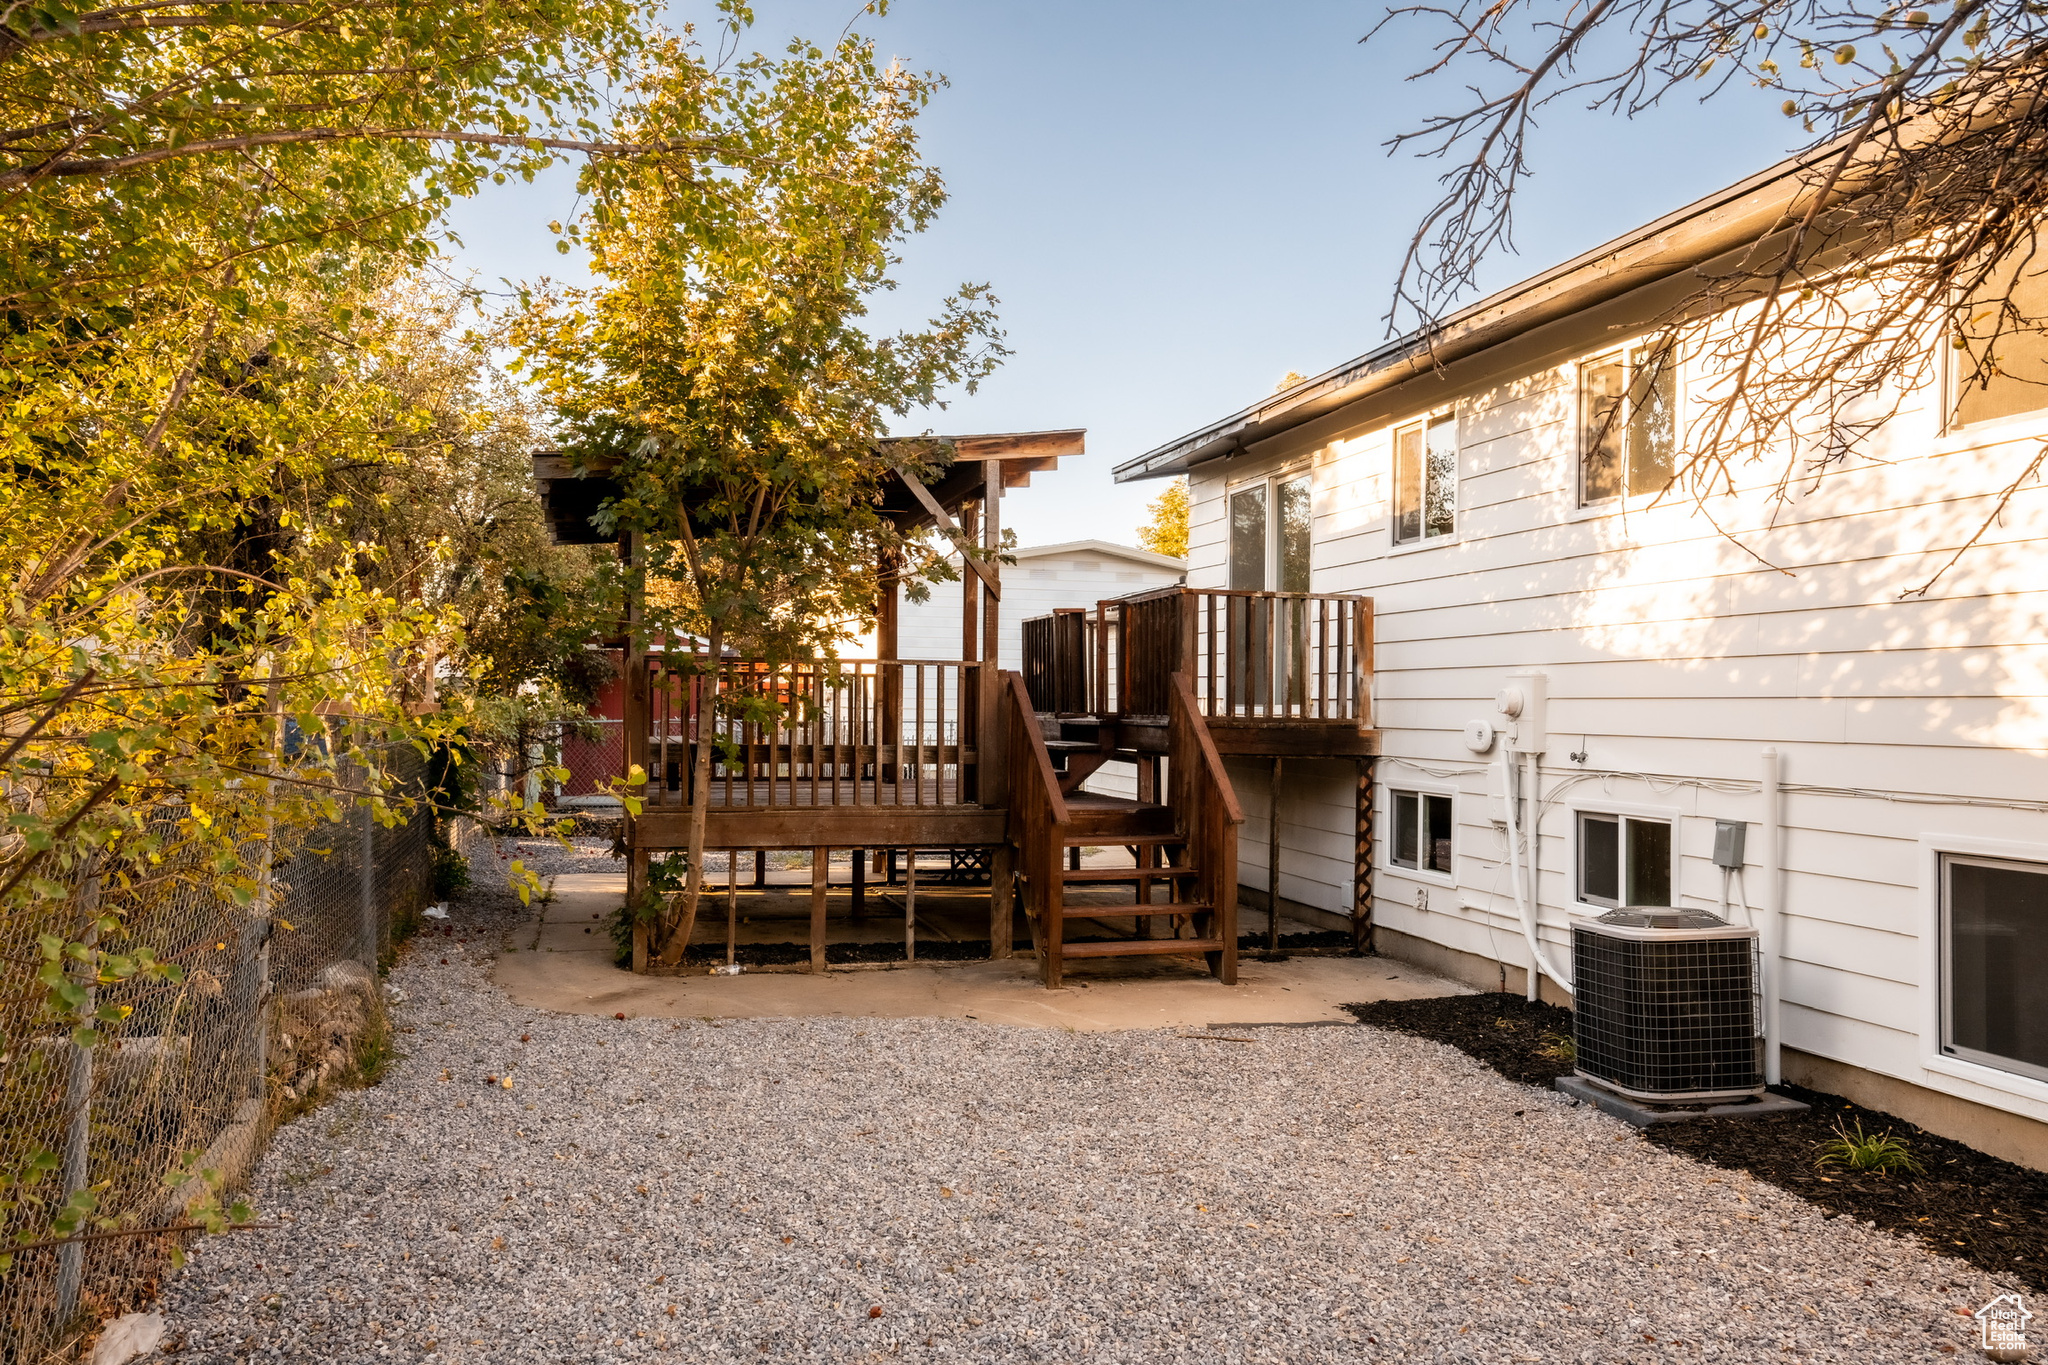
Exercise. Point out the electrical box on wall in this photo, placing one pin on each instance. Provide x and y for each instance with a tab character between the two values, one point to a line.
1729	838
1525	701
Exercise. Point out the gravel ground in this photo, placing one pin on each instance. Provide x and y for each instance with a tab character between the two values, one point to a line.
833	1189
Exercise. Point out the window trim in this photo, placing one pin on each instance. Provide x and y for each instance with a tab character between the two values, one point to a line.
1670	815
1271	481
1992	430
1957	436
1386	804
1626	502
2002	1084
1455	412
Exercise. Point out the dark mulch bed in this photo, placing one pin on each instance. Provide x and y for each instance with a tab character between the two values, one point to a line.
1990	1213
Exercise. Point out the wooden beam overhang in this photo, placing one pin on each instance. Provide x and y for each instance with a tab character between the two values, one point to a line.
571	494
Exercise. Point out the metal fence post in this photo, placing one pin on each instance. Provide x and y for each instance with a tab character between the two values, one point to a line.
78	1103
367	906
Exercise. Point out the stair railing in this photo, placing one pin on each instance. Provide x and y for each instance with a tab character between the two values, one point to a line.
1206	815
1038	813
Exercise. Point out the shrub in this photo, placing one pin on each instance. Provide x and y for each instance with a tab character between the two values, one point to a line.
1857	1150
451	874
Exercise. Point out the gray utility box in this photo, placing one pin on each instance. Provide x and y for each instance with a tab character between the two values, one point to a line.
1664	1004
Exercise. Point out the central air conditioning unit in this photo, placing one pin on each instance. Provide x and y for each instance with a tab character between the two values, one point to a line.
1665	1005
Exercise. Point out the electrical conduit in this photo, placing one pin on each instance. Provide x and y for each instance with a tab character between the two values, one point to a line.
1525	904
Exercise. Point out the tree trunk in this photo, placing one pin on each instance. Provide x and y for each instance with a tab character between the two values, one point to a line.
700	787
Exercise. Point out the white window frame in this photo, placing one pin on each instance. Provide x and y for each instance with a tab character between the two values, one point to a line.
1990	431
1933	848
1955	436
1300	469
1454	411
1627	501
1670	815
1420	874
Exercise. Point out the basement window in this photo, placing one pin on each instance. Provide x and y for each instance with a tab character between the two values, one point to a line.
1422	831
1426	480
1994	951
1628	402
1624	860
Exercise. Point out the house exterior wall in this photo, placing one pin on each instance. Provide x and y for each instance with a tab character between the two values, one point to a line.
1909	723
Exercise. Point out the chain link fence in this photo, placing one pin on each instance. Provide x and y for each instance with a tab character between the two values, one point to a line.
278	999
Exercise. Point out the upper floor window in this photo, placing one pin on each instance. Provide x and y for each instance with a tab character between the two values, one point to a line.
1426	479
1628	402
1270	522
2012	327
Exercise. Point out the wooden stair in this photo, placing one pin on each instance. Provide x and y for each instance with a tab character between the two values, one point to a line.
1187	844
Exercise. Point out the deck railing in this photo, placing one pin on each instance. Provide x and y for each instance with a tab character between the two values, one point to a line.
1249	656
861	732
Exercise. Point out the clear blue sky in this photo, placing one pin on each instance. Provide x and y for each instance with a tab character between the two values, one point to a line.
1179	202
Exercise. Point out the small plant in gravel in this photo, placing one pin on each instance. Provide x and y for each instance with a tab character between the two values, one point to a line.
451	874
1855	1150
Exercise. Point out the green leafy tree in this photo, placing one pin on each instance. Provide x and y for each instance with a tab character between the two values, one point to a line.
223	607
721	368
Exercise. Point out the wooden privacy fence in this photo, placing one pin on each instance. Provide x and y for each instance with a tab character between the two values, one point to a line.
860	732
1259	656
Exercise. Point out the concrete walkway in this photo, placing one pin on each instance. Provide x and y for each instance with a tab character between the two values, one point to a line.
562	961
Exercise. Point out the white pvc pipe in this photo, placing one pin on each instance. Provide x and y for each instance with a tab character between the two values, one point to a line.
1525	906
1772	914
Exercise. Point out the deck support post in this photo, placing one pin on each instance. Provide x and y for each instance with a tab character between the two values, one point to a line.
859	863
732	905
636	883
760	869
1002	901
1361	867
910	909
888	680
1273	859
634	718
821	876
990	788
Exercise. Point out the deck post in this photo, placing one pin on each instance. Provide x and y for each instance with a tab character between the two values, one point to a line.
888	680
732	905
910	909
860	883
633	725
1002	900
970	589
821	876
1361	868
989	776
636	882
1273	860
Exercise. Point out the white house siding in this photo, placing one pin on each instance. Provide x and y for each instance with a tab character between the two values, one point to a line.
1674	658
